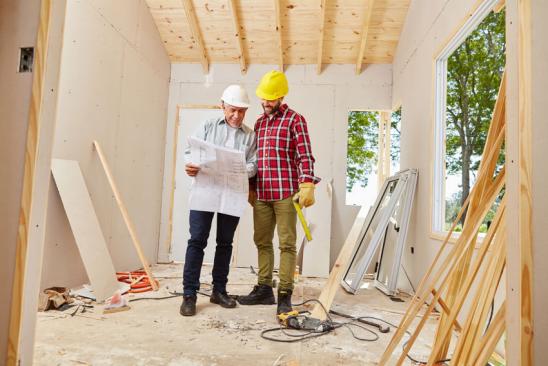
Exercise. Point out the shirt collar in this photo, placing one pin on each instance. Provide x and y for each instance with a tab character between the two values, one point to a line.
222	120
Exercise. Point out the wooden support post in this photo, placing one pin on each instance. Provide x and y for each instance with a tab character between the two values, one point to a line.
365	31
197	39
278	29
525	205
29	180
238	35
125	215
323	5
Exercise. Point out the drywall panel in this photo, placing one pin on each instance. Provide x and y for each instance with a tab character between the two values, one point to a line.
113	89
18	28
85	227
323	100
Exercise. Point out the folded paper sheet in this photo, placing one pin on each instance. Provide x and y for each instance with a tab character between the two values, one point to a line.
222	183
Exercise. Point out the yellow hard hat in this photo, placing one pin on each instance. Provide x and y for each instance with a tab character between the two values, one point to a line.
273	86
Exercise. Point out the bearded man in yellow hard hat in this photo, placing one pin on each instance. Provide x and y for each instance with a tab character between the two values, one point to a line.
285	169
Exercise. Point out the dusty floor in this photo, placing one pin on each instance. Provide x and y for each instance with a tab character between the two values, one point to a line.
153	332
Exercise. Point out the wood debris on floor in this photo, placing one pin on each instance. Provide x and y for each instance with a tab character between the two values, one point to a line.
154	333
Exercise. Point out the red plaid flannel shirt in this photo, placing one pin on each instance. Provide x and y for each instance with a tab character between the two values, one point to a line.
284	155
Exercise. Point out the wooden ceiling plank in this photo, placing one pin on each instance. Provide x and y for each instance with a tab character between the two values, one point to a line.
277	7
196	34
238	36
322	29
365	30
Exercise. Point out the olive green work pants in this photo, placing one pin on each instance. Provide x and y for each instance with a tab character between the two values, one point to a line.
268	215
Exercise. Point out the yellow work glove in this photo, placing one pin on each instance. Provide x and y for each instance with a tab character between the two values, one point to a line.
306	194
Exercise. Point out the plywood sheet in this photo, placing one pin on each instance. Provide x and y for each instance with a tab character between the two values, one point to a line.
85	227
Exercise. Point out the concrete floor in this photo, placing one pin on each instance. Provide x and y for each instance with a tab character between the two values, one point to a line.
153	332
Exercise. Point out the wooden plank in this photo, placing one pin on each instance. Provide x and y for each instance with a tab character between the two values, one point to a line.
238	36
323	5
278	29
42	179
197	38
525	202
500	6
335	276
85	227
364	32
31	158
429	281
125	215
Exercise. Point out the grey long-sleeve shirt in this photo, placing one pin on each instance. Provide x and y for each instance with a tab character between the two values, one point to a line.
215	131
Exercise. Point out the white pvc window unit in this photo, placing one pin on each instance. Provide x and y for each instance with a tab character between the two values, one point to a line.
439	173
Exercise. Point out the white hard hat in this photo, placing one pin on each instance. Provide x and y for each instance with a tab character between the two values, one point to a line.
236	96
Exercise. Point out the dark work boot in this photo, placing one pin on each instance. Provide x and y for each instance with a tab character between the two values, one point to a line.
284	301
222	299
260	295
188	307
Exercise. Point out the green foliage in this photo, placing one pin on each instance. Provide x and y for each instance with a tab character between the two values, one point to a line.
474	73
362	148
363	145
395	131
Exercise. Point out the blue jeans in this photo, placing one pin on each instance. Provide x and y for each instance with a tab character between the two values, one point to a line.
200	225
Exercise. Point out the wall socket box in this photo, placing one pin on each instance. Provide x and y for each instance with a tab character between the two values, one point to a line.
26	59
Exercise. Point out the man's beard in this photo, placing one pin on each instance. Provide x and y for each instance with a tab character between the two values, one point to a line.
274	109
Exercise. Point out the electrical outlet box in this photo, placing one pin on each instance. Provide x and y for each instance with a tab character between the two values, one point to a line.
26	59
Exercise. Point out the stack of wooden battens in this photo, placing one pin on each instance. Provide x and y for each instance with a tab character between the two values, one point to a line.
456	270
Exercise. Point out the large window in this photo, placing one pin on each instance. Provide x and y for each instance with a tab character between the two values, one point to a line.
372	153
468	75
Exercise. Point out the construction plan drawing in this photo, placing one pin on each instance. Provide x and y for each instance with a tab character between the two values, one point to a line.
222	183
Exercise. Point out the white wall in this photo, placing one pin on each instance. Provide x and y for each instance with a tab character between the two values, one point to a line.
324	100
113	88
429	25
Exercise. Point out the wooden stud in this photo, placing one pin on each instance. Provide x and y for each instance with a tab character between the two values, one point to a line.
323	5
365	31
278	15
31	157
198	41
525	203
125	215
238	35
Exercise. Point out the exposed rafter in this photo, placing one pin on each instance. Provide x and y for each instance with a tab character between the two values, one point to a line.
238	35
322	29
196	34
279	33
365	30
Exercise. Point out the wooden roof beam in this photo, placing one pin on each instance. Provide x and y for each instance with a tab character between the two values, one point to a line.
238	35
322	29
196	34
279	34
365	30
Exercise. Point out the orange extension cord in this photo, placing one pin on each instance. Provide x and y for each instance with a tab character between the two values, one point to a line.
137	280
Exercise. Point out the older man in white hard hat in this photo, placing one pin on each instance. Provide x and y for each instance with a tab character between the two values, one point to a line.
227	131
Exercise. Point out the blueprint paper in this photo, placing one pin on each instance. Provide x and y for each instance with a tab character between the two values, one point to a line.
221	184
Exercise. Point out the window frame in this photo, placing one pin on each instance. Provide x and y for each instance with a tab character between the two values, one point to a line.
437	212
